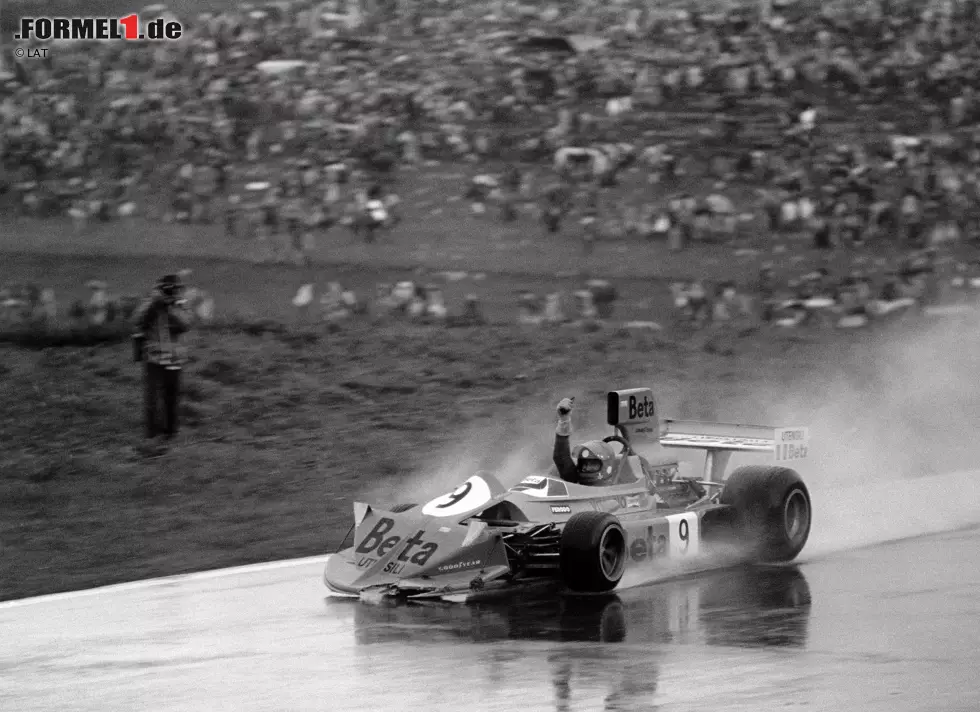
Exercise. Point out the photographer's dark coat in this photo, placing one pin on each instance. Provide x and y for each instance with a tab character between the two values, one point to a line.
162	325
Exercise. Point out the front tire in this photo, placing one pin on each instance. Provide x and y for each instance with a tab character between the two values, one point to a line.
772	511
592	552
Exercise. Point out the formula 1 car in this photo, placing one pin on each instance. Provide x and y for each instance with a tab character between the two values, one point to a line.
483	538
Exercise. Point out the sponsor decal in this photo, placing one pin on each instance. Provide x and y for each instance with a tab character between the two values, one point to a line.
790	452
560	509
533	480
792	444
460	565
630	407
635	500
376	545
640	409
648	546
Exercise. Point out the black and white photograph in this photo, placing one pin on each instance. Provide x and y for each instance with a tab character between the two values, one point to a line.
482	355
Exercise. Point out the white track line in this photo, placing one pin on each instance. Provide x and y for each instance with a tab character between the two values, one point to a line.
165	581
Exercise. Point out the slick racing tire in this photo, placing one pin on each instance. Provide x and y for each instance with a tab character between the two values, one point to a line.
772	511
592	552
399	508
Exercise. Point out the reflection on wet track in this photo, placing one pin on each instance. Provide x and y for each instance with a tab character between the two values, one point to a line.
708	609
893	627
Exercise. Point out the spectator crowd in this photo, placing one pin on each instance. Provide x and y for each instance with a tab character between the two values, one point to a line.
922	286
837	127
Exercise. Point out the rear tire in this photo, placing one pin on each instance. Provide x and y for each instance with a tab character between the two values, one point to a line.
399	508
592	552
772	511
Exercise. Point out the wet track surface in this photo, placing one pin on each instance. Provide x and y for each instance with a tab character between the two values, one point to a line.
890	627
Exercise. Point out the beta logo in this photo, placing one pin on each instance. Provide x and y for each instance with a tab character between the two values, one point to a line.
649	546
376	546
97	28
641	409
789	451
792	443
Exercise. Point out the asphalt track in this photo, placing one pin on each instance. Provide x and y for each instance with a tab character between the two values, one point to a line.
886	627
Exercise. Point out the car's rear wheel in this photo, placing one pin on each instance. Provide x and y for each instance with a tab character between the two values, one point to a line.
592	552
772	511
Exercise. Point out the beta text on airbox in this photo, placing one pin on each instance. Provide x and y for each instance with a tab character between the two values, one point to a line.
97	28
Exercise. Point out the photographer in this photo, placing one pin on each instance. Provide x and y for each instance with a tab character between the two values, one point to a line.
160	321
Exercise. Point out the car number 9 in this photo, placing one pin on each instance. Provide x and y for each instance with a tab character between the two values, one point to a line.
685	535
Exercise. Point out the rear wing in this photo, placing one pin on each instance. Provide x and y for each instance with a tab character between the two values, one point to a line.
787	444
633	413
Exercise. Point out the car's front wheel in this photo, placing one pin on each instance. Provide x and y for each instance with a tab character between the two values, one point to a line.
592	552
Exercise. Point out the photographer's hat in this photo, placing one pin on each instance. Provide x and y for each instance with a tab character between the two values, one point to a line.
168	284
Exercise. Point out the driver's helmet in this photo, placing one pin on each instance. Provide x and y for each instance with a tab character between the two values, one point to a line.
595	462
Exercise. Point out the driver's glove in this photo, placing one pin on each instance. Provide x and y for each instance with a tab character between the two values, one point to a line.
564	426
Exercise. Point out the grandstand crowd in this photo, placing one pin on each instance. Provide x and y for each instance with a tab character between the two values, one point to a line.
781	128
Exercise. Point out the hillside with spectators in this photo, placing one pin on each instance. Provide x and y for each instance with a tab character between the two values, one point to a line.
281	129
309	106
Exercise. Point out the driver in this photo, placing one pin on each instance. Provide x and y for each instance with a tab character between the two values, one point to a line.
591	463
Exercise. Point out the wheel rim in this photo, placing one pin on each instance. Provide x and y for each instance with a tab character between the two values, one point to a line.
612	552
796	515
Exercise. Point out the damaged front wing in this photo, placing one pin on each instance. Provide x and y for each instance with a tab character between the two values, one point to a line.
465	583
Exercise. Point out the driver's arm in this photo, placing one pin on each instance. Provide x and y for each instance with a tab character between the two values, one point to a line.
562	456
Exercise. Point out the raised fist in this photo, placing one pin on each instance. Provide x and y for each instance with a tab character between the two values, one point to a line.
564	426
565	406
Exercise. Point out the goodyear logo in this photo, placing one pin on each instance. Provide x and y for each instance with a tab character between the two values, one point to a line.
460	565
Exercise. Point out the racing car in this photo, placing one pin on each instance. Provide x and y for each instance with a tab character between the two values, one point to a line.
483	538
